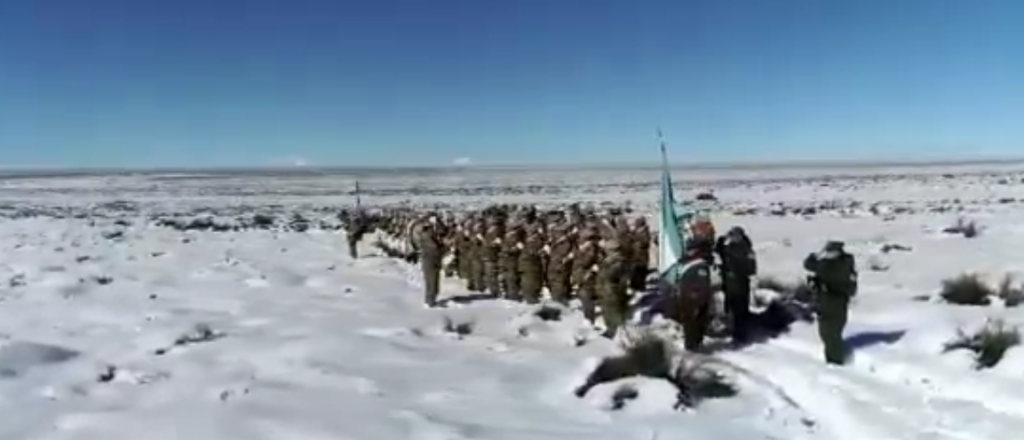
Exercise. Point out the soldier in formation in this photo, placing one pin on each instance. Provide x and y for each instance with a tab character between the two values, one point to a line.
602	260
517	252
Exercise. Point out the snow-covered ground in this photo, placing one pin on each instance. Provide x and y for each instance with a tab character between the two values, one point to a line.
282	336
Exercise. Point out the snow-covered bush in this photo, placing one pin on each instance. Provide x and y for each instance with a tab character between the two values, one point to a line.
989	343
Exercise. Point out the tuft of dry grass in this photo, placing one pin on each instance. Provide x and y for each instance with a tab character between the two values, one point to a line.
989	343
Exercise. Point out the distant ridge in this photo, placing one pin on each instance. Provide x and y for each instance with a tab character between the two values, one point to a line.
285	171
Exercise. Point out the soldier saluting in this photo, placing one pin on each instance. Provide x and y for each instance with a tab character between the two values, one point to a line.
833	280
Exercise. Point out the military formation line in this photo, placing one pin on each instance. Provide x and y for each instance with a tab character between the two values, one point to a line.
601	259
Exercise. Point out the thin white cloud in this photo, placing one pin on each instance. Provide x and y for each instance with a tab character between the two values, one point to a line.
462	161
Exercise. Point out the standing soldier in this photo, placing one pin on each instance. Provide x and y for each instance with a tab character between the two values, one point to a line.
834	282
739	264
431	250
412	251
511	246
478	275
451	239
489	256
642	255
613	279
355	228
560	256
531	269
584	267
465	255
694	295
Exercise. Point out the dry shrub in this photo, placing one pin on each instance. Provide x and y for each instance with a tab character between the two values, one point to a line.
647	354
989	343
889	247
967	228
967	290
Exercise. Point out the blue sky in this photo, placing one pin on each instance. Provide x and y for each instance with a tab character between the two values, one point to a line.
416	82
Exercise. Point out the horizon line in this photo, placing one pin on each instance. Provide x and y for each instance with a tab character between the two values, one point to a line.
704	165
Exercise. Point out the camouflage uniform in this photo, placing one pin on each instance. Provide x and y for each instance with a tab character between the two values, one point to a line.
584	268
694	296
491	251
478	276
834	281
511	247
613	284
464	251
531	267
431	255
641	256
559	268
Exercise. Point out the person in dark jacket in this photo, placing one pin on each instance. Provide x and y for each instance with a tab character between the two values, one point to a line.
738	264
834	282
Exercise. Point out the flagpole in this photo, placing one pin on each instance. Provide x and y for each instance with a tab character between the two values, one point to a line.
357	195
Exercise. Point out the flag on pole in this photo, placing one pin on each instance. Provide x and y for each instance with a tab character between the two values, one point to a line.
670	239
357	194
